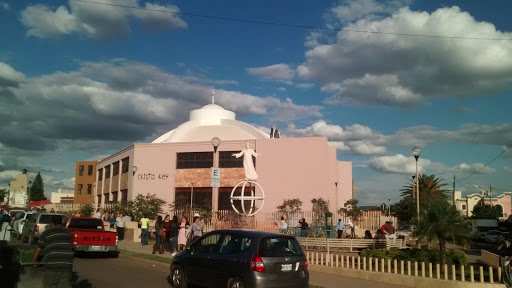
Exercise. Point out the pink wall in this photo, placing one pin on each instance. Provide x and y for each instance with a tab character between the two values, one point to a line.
304	168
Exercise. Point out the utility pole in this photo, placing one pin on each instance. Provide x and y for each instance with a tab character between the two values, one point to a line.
490	194
454	190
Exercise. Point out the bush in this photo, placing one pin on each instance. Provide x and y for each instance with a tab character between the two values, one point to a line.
86	210
455	257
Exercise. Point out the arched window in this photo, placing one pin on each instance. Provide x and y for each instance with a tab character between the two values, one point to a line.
500	208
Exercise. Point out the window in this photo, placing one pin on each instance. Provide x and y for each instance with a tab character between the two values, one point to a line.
80	186
207	244
89	170
124	196
463	207
115	167
107	172
124	164
81	170
279	247
232	244
46	219
92	224
107	198
89	189
194	160
227	160
114	197
100	174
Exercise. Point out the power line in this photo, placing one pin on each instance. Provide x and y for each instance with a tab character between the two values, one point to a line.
485	165
294	25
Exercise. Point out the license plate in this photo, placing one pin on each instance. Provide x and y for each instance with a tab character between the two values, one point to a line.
95	248
286	267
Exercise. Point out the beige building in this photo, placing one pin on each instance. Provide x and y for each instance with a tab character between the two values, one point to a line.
18	191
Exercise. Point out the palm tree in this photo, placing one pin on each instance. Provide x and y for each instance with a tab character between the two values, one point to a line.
431	189
441	221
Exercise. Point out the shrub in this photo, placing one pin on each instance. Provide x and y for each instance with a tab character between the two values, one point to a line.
86	210
455	257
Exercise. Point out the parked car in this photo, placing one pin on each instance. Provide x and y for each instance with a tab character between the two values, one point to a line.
36	224
89	235
19	222
239	259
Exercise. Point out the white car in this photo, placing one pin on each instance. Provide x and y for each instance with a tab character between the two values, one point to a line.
19	221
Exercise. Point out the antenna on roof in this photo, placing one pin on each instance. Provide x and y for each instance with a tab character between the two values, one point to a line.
213	96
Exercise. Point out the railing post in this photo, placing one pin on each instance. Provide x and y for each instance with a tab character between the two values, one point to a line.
370	264
395	263
389	265
454	274
416	268
471	274
342	261
422	269
491	276
481	274
377	264
409	268
430	270
462	275
337	262
445	271
499	275
401	267
358	263
364	264
438	271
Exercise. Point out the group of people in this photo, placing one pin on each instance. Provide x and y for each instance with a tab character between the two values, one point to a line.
386	231
172	235
341	227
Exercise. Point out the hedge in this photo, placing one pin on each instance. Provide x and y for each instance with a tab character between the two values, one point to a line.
456	257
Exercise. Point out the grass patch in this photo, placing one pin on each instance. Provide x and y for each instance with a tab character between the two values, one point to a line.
146	256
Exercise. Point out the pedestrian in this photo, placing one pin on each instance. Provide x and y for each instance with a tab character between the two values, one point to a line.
58	254
144	233
52	210
389	230
5	228
197	227
368	234
167	230
303	226
120	226
76	214
380	234
283	225
340	228
160	235
182	234
352	228
98	213
174	231
112	220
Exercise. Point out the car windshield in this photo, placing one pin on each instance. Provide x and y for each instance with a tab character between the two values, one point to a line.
278	246
46	219
79	223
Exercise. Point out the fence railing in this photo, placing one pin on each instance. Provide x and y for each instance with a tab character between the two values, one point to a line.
407	268
334	244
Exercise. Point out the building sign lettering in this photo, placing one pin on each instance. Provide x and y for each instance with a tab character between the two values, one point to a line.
151	176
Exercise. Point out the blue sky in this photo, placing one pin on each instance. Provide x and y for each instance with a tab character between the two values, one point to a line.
80	80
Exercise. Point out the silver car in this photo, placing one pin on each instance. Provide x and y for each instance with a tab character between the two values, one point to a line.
36	224
19	221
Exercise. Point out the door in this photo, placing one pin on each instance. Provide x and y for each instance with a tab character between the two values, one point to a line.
232	259
198	264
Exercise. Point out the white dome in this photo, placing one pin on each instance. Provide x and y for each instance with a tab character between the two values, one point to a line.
211	121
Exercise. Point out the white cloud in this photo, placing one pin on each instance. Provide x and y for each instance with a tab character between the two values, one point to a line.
350	10
97	21
464	168
5	6
9	77
277	72
305	85
394	70
508	169
397	164
7	175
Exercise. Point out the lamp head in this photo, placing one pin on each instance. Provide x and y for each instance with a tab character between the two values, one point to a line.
215	143
416	151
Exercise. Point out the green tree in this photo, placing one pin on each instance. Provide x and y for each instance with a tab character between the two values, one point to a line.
486	211
124	207
351	210
441	221
3	194
86	210
320	207
148	205
37	189
431	190
290	206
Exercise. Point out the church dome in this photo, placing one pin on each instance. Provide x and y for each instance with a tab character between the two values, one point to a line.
210	121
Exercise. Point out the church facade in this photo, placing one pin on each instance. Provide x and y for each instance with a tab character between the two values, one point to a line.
178	166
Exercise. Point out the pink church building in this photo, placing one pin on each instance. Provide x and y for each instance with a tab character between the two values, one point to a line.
178	164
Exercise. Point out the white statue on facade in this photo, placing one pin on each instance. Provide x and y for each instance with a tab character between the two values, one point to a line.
248	153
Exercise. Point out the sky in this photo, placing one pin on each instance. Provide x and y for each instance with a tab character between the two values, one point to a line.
80	80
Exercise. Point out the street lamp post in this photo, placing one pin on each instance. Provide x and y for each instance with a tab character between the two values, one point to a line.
489	192
215	190
416	151
389	208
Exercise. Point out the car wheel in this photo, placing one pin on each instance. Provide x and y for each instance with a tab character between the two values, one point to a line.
236	283
178	278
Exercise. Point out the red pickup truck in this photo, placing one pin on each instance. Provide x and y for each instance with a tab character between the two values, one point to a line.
89	235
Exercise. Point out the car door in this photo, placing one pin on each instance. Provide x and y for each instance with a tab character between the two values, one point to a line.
197	268
232	258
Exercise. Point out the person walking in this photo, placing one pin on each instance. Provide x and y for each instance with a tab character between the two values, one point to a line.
98	213
167	230
144	233
174	231
120	226
283	225
160	235
112	220
197	227
58	256
341	228
182	234
5	228
303	226
352	228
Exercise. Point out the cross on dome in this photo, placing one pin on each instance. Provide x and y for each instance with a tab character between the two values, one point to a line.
213	96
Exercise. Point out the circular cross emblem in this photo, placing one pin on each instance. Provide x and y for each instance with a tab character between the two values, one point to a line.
253	208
